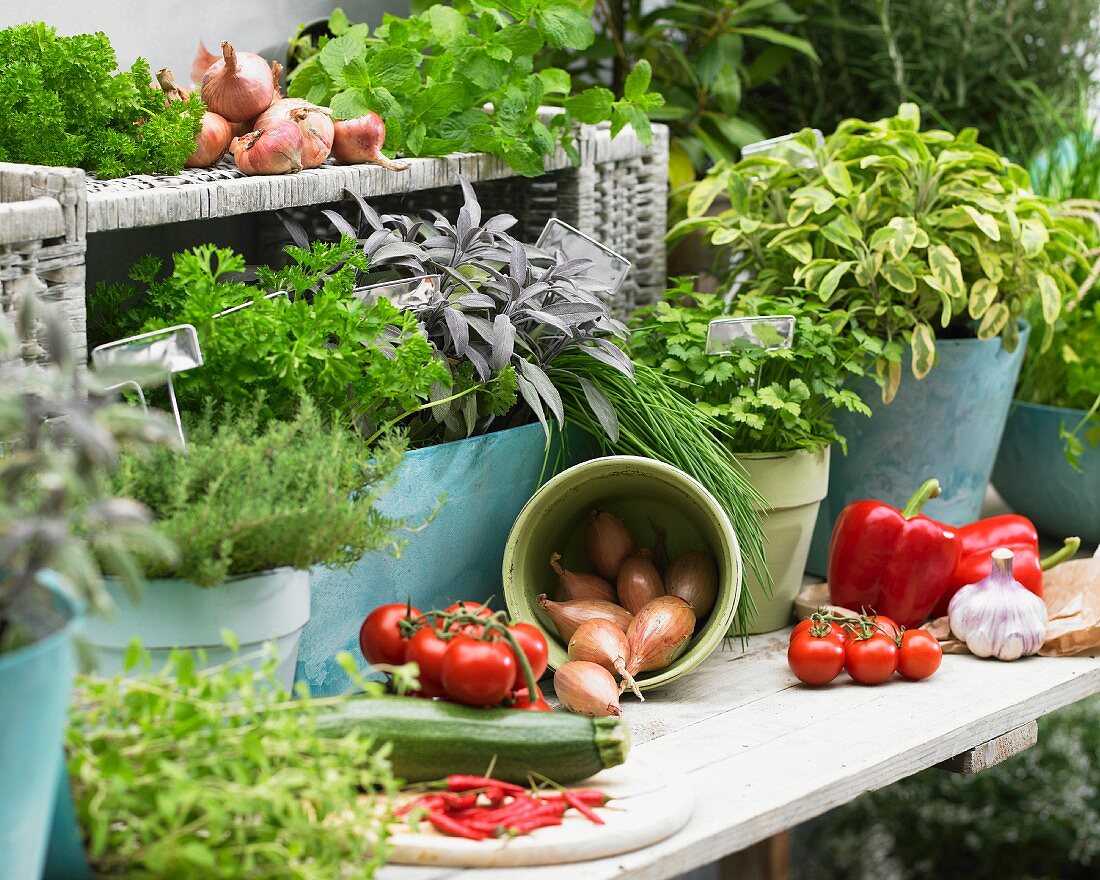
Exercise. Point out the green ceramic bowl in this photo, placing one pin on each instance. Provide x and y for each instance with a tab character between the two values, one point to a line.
638	490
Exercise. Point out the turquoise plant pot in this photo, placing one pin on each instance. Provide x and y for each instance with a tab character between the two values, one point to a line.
947	426
34	699
1035	479
475	488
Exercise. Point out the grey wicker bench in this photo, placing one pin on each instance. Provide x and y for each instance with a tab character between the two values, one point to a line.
48	216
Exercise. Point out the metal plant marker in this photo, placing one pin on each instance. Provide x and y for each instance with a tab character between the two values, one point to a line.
727	336
404	293
609	269
172	350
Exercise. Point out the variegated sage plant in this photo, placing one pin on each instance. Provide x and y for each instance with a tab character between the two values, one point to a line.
915	234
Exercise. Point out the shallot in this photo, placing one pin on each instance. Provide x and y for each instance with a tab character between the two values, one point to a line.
587	689
694	578
314	121
239	86
276	149
639	582
360	140
659	633
204	58
212	141
600	641
567	616
607	541
577	585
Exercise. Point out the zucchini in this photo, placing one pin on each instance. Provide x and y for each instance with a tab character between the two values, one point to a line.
431	740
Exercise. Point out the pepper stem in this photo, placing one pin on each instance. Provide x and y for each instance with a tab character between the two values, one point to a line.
928	490
1067	550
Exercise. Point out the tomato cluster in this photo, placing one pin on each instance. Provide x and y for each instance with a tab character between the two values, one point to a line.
465	653
870	648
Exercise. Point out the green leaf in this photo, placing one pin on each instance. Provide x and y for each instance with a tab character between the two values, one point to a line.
704	193
994	321
563	26
448	24
1033	237
1050	297
338	52
923	343
591	106
439	100
393	68
637	82
985	222
983	293
349	103
338	22
905	235
947	270
800	250
898	276
555	81
778	38
832	279
837	176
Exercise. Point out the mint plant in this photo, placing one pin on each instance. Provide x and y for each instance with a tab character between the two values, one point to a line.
430	77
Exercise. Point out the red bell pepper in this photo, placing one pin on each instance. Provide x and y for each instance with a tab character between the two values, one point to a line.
977	542
896	562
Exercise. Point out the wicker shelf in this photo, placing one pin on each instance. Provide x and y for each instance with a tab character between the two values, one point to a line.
617	193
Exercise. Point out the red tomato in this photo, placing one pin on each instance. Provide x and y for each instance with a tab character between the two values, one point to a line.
380	637
533	644
872	660
426	650
920	654
814	659
524	704
835	630
886	625
478	608
478	673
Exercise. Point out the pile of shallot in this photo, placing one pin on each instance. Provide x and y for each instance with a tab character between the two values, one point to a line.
247	116
635	614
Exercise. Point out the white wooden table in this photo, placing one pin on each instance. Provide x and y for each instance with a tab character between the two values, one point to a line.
764	753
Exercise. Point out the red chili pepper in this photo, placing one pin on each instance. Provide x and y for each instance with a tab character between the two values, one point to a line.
529	825
453	828
427	801
460	782
453	801
977	542
591	796
494	795
895	561
581	807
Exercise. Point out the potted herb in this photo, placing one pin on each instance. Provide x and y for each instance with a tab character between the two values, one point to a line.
777	405
935	247
251	505
60	434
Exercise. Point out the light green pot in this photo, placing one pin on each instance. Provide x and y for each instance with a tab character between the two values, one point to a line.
793	484
638	490
266	606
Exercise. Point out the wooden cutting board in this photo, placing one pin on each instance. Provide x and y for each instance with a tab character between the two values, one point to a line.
649	805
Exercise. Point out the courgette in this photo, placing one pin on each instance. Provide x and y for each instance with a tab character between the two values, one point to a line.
431	740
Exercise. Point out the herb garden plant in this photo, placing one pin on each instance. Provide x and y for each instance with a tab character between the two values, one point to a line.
914	234
461	77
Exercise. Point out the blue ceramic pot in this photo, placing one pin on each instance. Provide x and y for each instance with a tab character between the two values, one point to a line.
483	483
1035	479
34	700
947	426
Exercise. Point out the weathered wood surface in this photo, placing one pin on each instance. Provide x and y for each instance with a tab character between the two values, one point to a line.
997	750
765	753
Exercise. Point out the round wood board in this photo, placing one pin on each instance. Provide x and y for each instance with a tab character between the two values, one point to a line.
649	805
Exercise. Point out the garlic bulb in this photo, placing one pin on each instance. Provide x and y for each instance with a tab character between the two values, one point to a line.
999	617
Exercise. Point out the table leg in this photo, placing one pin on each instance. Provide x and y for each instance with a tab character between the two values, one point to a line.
769	859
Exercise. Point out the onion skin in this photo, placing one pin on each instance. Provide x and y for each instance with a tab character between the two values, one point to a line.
360	140
659	633
608	541
212	141
639	582
587	689
694	578
314	122
600	641
204	58
238	87
276	149
577	585
567	616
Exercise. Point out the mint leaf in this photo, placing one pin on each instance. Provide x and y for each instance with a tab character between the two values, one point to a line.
565	26
591	106
338	52
394	68
520	39
338	22
439	100
555	81
349	103
448	24
637	82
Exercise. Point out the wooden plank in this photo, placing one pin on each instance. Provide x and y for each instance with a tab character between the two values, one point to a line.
991	753
767	860
765	753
